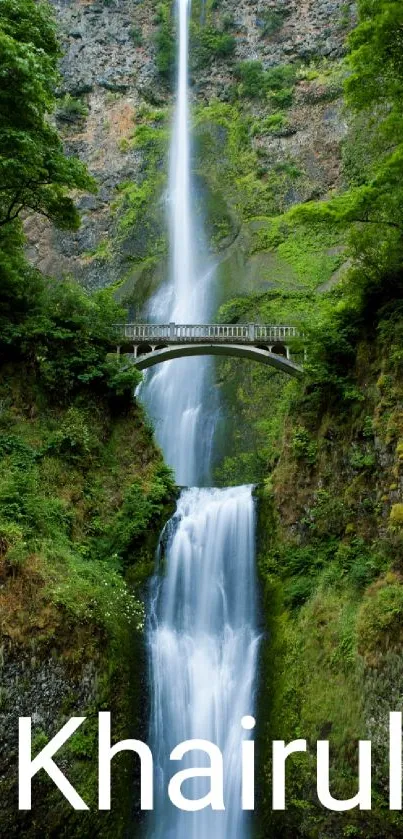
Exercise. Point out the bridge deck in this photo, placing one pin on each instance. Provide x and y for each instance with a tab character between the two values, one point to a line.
174	333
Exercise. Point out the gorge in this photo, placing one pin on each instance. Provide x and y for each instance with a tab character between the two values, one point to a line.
284	600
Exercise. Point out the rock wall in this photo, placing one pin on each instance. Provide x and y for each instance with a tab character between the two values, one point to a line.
109	67
103	67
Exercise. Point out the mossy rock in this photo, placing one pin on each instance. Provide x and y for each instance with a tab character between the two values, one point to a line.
140	284
396	515
380	618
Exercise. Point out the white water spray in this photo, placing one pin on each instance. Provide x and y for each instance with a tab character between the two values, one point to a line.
202	631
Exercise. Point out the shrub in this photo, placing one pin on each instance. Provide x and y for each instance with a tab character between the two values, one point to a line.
281	77
165	42
75	439
276	124
70	109
256	82
361	458
252	77
328	515
136	36
380	619
303	446
70	338
136	514
11	537
273	20
210	44
283	98
122	377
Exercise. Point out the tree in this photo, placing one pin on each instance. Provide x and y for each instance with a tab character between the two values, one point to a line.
376	55
372	208
35	174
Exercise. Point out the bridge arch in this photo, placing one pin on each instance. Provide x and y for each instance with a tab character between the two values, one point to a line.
263	356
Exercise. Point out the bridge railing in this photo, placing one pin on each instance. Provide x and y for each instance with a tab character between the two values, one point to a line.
183	333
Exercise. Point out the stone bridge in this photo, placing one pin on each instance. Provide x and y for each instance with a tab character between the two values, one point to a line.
150	343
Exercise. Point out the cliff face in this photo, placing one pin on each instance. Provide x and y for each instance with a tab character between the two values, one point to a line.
330	561
84	495
116	71
103	70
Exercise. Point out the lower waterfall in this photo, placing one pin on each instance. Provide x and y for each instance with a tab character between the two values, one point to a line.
203	643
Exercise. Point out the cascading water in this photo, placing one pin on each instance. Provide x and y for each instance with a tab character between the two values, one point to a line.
203	643
175	394
202	632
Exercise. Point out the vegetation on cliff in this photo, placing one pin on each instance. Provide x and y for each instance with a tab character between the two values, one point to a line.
83	489
331	538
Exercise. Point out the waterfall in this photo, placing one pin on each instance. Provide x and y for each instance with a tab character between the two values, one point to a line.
202	634
203	646
176	394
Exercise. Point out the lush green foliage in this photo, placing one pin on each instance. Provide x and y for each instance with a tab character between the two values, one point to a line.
72	511
257	83
208	44
70	506
34	172
372	208
71	337
67	334
164	41
332	530
376	55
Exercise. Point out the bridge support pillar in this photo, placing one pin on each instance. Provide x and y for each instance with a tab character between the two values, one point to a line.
287	351
118	351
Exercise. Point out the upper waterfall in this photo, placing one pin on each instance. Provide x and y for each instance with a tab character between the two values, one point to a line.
181	217
174	394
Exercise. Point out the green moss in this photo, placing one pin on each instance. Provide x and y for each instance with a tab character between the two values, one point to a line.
103	251
396	515
379	625
234	170
141	225
312	254
304	447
